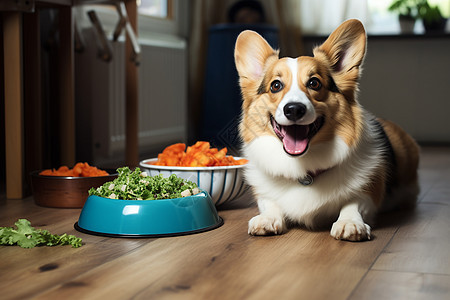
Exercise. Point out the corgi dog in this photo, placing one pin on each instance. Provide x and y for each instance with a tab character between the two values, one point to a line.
316	156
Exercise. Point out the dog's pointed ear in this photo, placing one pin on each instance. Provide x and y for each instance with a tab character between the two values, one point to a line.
346	46
345	49
251	54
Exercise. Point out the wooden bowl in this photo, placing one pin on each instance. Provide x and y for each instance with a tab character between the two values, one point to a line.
65	192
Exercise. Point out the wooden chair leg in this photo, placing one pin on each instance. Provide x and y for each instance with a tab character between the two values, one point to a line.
67	86
131	150
12	27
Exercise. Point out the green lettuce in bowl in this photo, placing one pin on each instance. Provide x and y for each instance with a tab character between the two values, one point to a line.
137	185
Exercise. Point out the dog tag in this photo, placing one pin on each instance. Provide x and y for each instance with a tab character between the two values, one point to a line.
307	180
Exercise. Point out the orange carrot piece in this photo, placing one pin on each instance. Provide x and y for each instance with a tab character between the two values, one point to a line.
198	155
79	170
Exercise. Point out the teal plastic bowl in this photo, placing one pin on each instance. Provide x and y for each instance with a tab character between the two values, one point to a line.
148	218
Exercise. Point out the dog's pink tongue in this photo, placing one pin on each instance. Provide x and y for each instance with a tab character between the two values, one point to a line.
295	139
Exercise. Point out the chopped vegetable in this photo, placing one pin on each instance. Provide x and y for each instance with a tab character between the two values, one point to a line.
137	185
27	236
198	155
79	170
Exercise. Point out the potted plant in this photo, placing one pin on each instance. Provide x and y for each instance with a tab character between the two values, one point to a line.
408	13
432	18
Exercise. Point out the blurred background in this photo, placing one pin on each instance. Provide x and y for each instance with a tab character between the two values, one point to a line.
79	85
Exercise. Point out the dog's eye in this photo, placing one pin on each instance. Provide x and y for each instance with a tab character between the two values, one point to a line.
314	84
276	86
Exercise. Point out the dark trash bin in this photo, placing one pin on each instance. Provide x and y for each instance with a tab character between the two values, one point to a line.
221	94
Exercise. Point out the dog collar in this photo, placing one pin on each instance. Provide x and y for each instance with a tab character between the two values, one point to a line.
309	177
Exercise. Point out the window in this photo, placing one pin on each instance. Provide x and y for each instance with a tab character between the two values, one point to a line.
164	20
160	17
155	8
384	21
323	16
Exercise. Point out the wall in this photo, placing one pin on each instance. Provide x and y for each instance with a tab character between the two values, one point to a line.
100	100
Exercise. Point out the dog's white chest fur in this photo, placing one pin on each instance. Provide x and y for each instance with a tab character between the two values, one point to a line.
275	176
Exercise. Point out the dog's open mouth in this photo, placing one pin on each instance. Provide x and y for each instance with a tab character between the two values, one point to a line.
296	138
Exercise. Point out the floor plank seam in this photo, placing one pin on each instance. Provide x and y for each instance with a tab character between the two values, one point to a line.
373	263
411	272
425	193
435	203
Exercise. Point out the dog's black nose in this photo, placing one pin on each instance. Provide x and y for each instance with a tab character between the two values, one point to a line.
294	111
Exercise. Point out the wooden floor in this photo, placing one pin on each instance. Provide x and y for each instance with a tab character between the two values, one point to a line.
409	257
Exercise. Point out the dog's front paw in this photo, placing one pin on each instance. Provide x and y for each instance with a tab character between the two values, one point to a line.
265	225
350	230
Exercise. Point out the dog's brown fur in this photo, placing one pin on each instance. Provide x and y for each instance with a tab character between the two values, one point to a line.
337	65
